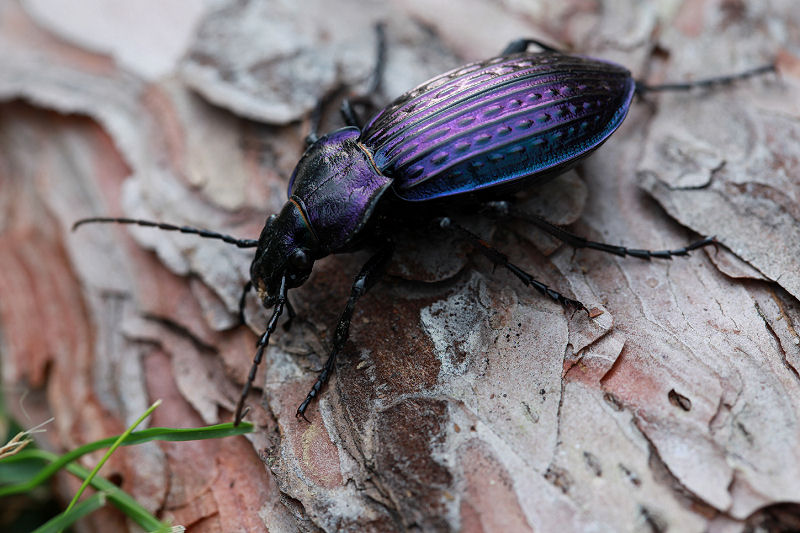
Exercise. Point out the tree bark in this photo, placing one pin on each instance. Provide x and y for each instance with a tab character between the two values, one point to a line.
463	400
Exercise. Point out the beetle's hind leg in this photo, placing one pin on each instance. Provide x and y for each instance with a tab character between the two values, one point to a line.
500	259
521	45
369	274
642	88
365	99
579	242
347	111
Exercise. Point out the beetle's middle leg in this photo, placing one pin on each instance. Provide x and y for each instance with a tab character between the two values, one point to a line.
370	273
500	259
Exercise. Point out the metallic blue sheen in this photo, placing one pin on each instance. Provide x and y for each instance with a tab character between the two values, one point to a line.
493	123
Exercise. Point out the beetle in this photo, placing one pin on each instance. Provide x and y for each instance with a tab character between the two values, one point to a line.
476	134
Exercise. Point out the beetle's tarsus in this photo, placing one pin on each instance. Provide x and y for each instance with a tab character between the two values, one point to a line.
529	281
261	346
302	414
240	413
499	259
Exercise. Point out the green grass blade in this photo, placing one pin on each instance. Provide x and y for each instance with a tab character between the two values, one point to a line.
12	464
110	451
115	495
67	518
36	466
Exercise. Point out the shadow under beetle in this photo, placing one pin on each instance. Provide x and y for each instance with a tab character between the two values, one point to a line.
476	134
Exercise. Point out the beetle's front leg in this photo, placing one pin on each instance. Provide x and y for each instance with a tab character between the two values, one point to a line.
370	273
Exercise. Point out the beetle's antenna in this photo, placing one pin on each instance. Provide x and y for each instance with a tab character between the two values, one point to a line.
207	234
260	347
642	88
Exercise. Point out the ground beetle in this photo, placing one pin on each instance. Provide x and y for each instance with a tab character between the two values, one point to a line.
476	134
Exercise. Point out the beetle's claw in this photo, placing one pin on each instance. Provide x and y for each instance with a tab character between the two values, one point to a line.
241	412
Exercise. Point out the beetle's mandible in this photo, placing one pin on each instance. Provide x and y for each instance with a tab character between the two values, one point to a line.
475	134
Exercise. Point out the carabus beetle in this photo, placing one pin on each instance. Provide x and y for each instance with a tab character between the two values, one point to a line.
478	133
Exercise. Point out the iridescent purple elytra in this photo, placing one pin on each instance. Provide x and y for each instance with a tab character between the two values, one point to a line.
497	121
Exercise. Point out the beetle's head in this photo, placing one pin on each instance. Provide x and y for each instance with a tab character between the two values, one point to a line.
286	248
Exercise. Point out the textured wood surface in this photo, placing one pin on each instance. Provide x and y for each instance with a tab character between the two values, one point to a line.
464	401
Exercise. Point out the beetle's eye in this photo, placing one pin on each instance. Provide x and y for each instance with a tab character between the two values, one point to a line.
299	261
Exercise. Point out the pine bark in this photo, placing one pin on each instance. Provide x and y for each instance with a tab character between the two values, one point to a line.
463	401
